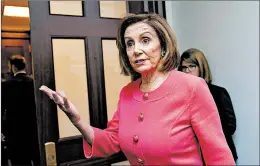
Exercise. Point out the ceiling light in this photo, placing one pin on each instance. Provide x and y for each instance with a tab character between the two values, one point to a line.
16	11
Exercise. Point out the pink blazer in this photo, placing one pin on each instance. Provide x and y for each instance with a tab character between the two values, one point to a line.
167	127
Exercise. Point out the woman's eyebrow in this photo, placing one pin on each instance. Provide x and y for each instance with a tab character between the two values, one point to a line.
146	33
141	34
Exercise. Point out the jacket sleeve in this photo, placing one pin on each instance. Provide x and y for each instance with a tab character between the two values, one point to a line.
206	124
105	142
228	114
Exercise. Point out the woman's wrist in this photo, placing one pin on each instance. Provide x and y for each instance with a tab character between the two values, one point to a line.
75	120
85	129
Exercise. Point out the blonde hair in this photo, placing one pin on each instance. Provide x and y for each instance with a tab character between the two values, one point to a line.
165	34
197	57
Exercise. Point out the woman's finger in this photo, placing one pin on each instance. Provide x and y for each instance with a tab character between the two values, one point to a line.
58	99
66	102
47	91
61	93
65	99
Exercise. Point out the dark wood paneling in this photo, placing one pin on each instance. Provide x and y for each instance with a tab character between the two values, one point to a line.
163	9
43	75
151	6
98	114
136	6
156	7
73	148
28	57
88	27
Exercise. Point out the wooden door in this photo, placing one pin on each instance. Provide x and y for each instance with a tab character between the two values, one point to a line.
73	46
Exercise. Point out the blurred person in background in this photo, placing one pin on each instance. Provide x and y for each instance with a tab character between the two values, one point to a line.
18	103
194	62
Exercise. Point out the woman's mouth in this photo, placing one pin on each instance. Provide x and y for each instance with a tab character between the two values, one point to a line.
140	61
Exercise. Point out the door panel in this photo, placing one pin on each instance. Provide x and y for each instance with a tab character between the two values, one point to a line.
114	80
112	9
73	53
66	8
70	76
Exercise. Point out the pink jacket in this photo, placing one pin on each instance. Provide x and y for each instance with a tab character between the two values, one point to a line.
167	127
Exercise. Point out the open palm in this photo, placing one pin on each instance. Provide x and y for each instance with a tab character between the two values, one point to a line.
64	104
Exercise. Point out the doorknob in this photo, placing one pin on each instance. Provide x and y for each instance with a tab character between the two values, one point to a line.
50	152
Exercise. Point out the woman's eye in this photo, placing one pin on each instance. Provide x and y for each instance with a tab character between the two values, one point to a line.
146	40
192	65
129	43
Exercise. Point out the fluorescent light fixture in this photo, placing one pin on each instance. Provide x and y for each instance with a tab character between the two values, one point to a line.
16	11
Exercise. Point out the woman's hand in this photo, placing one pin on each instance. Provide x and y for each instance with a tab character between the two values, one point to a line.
64	104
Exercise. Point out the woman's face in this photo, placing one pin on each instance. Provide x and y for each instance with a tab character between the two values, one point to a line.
143	47
190	68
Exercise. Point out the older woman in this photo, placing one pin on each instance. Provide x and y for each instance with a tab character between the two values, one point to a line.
194	62
165	116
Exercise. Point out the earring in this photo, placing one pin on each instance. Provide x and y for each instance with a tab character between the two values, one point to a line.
162	54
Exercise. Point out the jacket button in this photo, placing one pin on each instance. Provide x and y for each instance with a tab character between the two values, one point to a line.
135	138
140	161
141	116
145	96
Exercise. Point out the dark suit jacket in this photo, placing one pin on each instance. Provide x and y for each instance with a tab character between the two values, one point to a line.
19	103
227	114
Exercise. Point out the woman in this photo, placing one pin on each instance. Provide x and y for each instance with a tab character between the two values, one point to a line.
195	63
162	117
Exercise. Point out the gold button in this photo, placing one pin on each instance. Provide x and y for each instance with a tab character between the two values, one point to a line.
145	96
141	116
135	138
140	161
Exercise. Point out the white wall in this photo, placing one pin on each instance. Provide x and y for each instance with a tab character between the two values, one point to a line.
228	34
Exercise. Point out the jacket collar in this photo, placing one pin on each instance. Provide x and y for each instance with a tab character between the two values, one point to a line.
19	72
164	89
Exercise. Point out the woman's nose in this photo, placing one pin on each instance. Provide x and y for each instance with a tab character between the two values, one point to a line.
137	50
